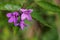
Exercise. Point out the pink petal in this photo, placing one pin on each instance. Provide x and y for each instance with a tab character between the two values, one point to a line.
15	21
30	10
23	16
9	15
10	20
29	17
22	25
23	10
15	13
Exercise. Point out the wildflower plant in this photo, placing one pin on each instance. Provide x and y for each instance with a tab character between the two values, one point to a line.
13	17
46	14
25	14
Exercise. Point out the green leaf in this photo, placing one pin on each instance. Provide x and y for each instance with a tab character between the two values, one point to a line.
10	7
48	6
37	15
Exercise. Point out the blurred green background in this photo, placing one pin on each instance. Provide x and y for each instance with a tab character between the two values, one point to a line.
44	26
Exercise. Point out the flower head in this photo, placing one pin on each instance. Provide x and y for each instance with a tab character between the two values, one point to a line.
13	17
22	24
26	14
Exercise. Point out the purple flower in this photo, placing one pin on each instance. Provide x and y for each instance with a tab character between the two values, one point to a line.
13	17
22	24
26	14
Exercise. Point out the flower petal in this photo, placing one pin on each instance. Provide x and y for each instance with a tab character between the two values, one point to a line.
23	16
15	21
30	10
16	24
23	10
29	17
9	15
15	13
22	25
10	20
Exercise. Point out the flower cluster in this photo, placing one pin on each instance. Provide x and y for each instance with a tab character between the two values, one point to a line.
25	14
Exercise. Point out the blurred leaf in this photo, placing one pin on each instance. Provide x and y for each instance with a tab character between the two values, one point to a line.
51	35
50	13
48	6
22	2
37	15
10	5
